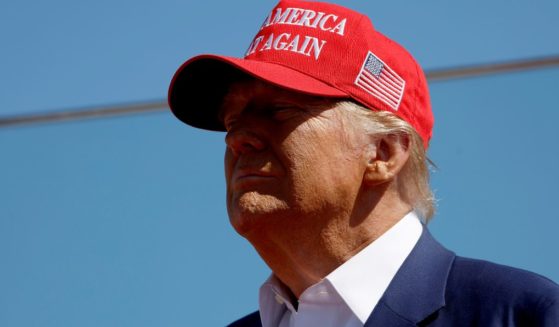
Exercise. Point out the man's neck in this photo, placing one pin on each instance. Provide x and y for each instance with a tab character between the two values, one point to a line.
302	257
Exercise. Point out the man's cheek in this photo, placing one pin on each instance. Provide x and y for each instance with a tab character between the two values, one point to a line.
228	166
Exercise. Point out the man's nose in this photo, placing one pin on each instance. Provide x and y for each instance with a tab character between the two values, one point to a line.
244	141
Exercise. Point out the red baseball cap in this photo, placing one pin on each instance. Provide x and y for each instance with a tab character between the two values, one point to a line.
315	48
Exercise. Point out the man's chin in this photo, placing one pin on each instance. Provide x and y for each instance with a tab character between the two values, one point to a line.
252	209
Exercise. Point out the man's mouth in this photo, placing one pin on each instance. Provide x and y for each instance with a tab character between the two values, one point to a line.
245	177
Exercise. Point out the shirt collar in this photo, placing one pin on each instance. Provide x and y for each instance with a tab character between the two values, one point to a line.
360	281
273	301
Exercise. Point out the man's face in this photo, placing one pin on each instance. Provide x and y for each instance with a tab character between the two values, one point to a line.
291	159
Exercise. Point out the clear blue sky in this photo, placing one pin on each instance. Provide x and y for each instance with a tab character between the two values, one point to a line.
121	222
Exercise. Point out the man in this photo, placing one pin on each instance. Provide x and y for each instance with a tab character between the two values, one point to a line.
327	124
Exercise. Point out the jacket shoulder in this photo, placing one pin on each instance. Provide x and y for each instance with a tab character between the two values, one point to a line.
251	320
487	289
488	277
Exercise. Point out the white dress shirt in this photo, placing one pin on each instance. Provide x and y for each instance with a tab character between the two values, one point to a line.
348	295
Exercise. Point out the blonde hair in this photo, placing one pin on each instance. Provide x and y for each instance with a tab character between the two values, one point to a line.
413	179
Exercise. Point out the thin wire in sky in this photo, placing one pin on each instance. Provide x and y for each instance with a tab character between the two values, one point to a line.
436	75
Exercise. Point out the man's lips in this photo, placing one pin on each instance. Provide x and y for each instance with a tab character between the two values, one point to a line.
244	176
250	173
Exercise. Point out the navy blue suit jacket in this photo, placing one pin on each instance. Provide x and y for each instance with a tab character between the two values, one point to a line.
434	287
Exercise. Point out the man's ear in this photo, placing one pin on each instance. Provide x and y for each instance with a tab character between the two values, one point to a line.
390	155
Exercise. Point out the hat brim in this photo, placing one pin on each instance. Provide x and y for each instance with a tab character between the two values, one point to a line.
199	85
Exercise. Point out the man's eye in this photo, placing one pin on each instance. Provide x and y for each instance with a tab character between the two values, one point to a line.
229	123
284	113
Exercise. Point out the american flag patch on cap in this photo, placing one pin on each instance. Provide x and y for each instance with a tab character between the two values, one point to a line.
380	81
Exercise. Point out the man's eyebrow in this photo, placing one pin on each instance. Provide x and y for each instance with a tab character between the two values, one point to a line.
242	95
